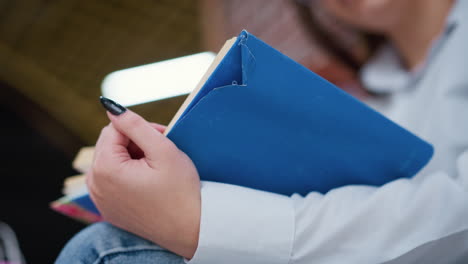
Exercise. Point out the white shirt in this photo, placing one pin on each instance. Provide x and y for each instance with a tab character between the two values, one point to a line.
419	220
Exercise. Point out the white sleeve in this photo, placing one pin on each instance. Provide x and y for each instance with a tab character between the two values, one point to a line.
356	224
241	225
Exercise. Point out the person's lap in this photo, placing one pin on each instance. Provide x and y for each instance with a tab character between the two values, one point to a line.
103	243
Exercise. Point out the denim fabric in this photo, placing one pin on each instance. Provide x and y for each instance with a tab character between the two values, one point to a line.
103	243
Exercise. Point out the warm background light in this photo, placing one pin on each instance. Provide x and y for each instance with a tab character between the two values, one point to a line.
158	80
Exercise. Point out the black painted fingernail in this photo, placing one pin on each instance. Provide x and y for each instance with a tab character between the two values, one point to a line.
111	106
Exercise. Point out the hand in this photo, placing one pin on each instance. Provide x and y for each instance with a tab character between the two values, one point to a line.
141	182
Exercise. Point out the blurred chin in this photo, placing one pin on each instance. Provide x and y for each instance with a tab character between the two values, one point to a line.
363	5
365	14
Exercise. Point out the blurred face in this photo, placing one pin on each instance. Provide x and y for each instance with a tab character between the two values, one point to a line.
370	15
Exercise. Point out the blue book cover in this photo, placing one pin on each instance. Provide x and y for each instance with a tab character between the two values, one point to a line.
260	120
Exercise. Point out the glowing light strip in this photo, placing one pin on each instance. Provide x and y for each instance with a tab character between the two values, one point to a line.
156	81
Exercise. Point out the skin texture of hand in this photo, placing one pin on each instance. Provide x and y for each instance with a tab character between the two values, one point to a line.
141	182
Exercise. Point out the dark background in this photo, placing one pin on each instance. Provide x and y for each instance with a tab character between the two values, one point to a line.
31	176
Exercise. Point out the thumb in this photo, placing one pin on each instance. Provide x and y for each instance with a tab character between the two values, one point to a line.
137	129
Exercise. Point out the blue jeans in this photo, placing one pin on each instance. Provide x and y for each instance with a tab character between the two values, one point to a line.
103	243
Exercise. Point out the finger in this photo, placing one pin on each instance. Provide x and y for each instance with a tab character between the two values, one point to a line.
138	130
111	147
159	127
135	151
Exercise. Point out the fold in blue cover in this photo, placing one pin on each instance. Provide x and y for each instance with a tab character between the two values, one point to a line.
263	121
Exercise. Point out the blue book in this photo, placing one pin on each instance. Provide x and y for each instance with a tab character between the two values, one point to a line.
260	120
263	121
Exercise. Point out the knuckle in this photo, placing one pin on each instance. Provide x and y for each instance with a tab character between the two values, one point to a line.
105	130
170	150
99	170
167	148
166	145
88	180
102	178
91	186
96	170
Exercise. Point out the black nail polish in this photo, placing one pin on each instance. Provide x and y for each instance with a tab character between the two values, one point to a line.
111	106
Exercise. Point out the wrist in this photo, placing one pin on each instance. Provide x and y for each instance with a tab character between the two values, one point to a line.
180	231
